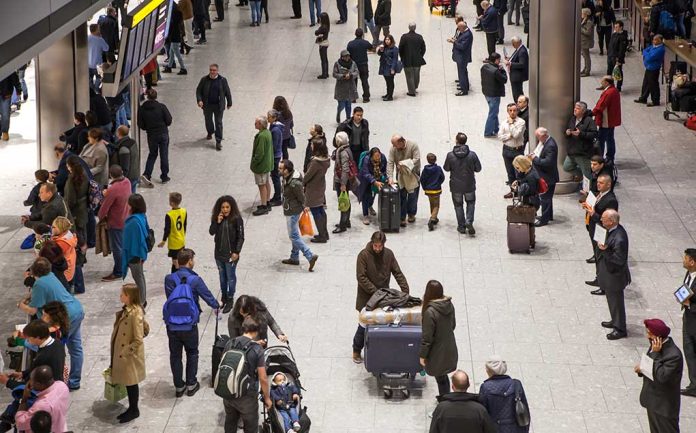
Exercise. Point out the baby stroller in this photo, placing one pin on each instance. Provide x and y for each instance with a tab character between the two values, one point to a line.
681	96
279	359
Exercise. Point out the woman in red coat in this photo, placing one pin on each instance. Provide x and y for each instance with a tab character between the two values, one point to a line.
607	115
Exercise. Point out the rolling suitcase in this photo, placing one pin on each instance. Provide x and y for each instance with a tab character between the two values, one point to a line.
389	203
519	237
392	349
218	349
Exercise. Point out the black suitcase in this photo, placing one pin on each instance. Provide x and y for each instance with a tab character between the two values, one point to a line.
218	349
389	202
392	349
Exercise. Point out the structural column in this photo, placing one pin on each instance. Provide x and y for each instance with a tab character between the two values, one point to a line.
554	82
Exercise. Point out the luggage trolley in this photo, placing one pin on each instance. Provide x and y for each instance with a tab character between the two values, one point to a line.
673	106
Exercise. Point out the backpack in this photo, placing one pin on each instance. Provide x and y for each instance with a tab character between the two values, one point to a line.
180	308
666	23
96	195
234	377
363	154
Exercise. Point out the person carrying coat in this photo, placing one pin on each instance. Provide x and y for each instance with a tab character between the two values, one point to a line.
660	393
213	95
127	349
345	71
438	350
314	182
498	394
586	40
412	52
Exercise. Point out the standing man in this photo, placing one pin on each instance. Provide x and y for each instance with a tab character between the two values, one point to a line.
607	115
512	135
342	6
515	6
489	24
262	163
593	217
96	47
412	52
358	49
616	53
613	274
404	158
523	113
182	329
154	118
463	164
653	58
314	5
7	85
545	160
689	321
382	19
518	67
501	7
460	411
580	133
213	95
293	206
128	156
493	79
660	393
199	20
461	54
358	130
109	28
114	210
374	268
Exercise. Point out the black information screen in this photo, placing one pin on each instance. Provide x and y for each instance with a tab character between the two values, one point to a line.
145	32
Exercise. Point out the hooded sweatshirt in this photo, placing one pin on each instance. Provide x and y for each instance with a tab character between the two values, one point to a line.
460	412
438	346
463	165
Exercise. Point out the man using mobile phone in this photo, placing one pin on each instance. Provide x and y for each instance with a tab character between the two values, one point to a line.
689	322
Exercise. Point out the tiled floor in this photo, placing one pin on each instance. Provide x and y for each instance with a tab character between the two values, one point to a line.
534	310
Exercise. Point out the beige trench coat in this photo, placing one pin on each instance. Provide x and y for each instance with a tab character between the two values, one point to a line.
127	348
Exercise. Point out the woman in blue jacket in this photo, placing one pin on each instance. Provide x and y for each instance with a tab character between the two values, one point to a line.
135	248
388	64
498	394
372	173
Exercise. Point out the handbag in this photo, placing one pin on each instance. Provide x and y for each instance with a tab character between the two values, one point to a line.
150	239
521	410
305	224
113	392
291	141
398	67
343	202
521	214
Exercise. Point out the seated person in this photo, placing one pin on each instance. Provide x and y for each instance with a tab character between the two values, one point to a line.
33	200
286	398
53	397
41	422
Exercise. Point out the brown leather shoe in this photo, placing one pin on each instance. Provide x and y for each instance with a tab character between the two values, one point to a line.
508	195
110	277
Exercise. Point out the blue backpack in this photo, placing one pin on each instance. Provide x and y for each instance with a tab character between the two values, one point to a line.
667	23
180	309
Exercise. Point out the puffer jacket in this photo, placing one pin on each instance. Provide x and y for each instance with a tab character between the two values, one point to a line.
497	395
463	164
293	194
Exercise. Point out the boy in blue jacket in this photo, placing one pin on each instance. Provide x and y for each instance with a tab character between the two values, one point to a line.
431	179
286	398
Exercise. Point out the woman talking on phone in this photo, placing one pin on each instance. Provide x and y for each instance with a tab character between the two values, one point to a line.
227	227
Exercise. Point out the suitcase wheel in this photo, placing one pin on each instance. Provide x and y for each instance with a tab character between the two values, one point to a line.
387	393
405	393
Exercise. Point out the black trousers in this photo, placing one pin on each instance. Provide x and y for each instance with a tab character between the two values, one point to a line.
264	8
501	26
516	89
389	79
213	125
617	307
463	75
443	384
133	397
220	9
662	424
651	86
200	24
689	347
604	34
343	223
323	55
342	6
490	42
611	62
508	155
359	339
246	408
364	72
275	178
546	200
296	9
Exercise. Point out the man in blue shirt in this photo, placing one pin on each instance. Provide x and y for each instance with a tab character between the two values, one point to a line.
96	46
653	58
185	336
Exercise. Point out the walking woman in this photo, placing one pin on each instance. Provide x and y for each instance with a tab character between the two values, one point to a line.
438	350
314	182
322	34
128	350
372	175
280	104
342	181
134	249
345	71
388	64
255	308
227	227
498	394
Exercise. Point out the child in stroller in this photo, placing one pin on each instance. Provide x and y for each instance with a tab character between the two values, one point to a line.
286	397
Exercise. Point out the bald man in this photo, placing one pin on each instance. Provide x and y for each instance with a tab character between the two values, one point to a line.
613	274
460	411
53	397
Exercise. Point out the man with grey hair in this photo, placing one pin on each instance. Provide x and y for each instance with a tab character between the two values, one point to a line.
262	164
545	160
581	132
462	43
613	274
412	50
460	411
213	95
518	67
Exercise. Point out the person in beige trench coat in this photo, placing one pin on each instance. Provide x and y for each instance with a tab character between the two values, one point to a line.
128	350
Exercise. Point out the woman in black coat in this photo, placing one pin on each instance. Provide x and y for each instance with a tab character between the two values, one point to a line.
498	394
527	183
438	351
252	306
227	227
322	34
72	135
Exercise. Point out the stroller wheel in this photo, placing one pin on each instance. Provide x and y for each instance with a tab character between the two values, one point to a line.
666	115
387	393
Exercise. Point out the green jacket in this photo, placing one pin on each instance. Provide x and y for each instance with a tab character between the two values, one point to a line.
262	155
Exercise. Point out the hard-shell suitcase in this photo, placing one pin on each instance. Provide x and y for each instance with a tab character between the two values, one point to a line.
520	237
392	349
218	349
389	202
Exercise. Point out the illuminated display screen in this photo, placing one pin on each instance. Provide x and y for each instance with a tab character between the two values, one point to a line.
145	30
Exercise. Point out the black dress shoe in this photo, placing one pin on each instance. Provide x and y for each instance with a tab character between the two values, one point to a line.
689	392
608	325
591	260
339	230
598	292
616	335
592	283
539	224
460	93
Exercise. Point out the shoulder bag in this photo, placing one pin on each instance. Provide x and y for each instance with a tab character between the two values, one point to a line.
521	410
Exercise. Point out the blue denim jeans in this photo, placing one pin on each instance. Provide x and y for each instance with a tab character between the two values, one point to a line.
74	345
228	277
94	80
174	51
370	24
116	244
344	105
312	5
289	417
605	137
367	200
492	124
134	185
255	11
296	239
409	202
5	105
188	341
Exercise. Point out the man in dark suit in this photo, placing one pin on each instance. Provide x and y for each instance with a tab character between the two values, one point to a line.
689	322
612	272
412	52
501	6
489	24
605	200
461	54
523	113
660	395
518	67
545	160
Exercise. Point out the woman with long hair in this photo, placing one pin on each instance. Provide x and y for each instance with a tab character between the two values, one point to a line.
314	182
438	350
388	59
77	194
252	306
56	316
322	34
315	132
128	350
71	137
134	247
280	104
227	227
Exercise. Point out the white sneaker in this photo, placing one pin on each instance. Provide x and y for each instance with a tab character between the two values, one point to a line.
146	183
366	221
